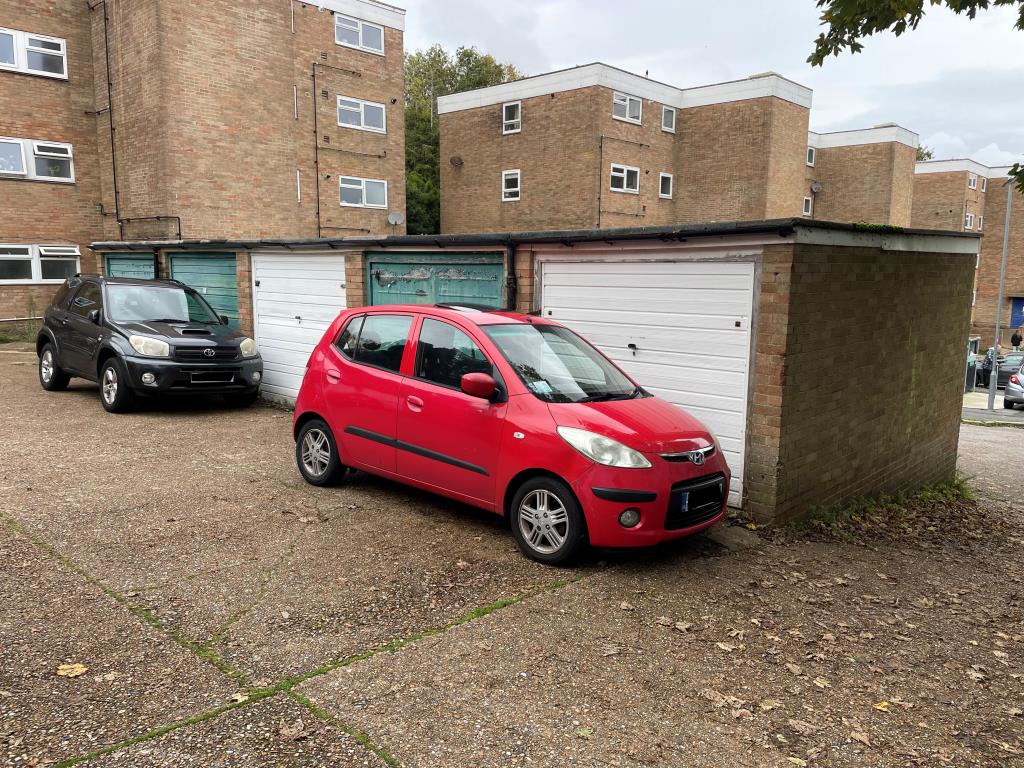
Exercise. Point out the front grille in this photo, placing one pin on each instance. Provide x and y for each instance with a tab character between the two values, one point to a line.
693	502
707	452
198	354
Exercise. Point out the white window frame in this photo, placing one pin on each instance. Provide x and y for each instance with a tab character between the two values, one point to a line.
361	186
517	123
671	185
298	186
37	254
981	223
359	25
22	47
667	111
619	97
617	169
808	209
984	184
517	174
972	181
363	103
969	221
33	148
812	153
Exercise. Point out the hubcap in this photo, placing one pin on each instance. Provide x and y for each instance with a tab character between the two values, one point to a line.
543	521
46	366
316	452
109	386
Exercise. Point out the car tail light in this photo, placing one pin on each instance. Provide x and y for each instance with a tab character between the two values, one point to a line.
1015	379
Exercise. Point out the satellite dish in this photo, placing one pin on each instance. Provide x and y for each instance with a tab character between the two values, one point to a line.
816	187
395	218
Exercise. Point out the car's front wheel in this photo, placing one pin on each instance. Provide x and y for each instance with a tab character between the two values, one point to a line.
316	454
547	521
52	377
116	394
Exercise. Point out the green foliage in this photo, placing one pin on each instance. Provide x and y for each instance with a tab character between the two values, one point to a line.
925	153
429	74
849	21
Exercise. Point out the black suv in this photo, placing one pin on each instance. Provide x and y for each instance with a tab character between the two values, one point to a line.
143	337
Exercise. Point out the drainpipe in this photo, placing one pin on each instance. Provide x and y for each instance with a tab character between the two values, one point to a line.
511	279
316	154
110	115
994	381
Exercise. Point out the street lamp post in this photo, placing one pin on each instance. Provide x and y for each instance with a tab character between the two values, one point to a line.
994	380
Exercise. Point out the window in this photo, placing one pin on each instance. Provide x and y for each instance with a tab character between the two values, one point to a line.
38	263
512	117
626	107
382	340
984	187
810	156
40	160
510	185
349	337
625	179
88	298
808	206
969	221
668	119
665	186
364	193
356	33
445	354
298	186
981	223
363	115
972	181
33	54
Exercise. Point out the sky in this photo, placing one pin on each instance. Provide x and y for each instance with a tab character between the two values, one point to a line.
958	83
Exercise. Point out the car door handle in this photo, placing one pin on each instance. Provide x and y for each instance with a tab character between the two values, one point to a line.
414	403
333	376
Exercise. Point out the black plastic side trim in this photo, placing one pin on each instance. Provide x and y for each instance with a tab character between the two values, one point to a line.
621	494
410	448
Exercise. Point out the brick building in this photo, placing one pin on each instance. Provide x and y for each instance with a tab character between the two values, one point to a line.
598	147
966	196
167	119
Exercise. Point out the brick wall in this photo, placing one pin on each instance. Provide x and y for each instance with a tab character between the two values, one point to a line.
940	201
787	159
872	183
872	375
990	260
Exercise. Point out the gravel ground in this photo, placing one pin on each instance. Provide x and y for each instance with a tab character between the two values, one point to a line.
230	615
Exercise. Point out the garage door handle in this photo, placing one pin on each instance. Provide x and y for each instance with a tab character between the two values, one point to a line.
333	376
414	403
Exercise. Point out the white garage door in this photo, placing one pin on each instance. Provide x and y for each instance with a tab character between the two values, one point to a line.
295	298
690	324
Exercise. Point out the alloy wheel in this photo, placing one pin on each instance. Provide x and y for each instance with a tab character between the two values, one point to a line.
109	385
316	452
46	366
543	521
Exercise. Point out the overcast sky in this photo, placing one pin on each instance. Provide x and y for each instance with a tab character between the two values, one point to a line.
956	82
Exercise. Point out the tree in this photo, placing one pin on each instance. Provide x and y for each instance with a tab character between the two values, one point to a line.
924	153
429	74
849	21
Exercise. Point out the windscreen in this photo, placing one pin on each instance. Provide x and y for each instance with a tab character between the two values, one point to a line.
142	303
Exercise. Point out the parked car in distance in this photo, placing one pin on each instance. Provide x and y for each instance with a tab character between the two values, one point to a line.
144	337
511	413
1013	395
1008	365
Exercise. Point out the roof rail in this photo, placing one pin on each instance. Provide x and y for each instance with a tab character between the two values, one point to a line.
464	306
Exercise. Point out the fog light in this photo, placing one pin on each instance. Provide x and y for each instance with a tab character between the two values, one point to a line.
148	379
256	377
630	518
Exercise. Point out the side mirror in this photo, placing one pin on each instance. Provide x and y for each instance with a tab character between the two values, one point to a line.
479	385
94	316
224	320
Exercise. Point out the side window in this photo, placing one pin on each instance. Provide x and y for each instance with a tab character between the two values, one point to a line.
382	341
349	337
88	298
446	354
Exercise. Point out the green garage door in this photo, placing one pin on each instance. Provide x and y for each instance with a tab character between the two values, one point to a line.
213	275
436	278
140	267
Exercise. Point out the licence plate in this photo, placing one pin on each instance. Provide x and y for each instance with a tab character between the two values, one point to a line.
684	501
212	377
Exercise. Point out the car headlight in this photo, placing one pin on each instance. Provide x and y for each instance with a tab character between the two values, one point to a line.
603	449
248	347
150	347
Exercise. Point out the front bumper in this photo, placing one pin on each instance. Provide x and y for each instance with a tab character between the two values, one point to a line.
674	500
177	377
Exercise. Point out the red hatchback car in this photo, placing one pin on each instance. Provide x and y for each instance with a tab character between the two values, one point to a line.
511	413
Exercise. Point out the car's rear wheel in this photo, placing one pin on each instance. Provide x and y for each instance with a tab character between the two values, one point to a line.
316	454
547	521
52	378
116	394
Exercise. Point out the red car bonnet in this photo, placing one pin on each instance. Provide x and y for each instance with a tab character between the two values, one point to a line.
646	424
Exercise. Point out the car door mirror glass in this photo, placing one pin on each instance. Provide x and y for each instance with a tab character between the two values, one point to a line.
479	385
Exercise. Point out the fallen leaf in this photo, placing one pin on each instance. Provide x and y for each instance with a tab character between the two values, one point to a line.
72	670
745	714
882	706
768	705
293	731
626	606
239	697
802	727
796	761
821	682
663	621
1011	711
751	526
794	668
861	737
610	650
726	647
683	626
